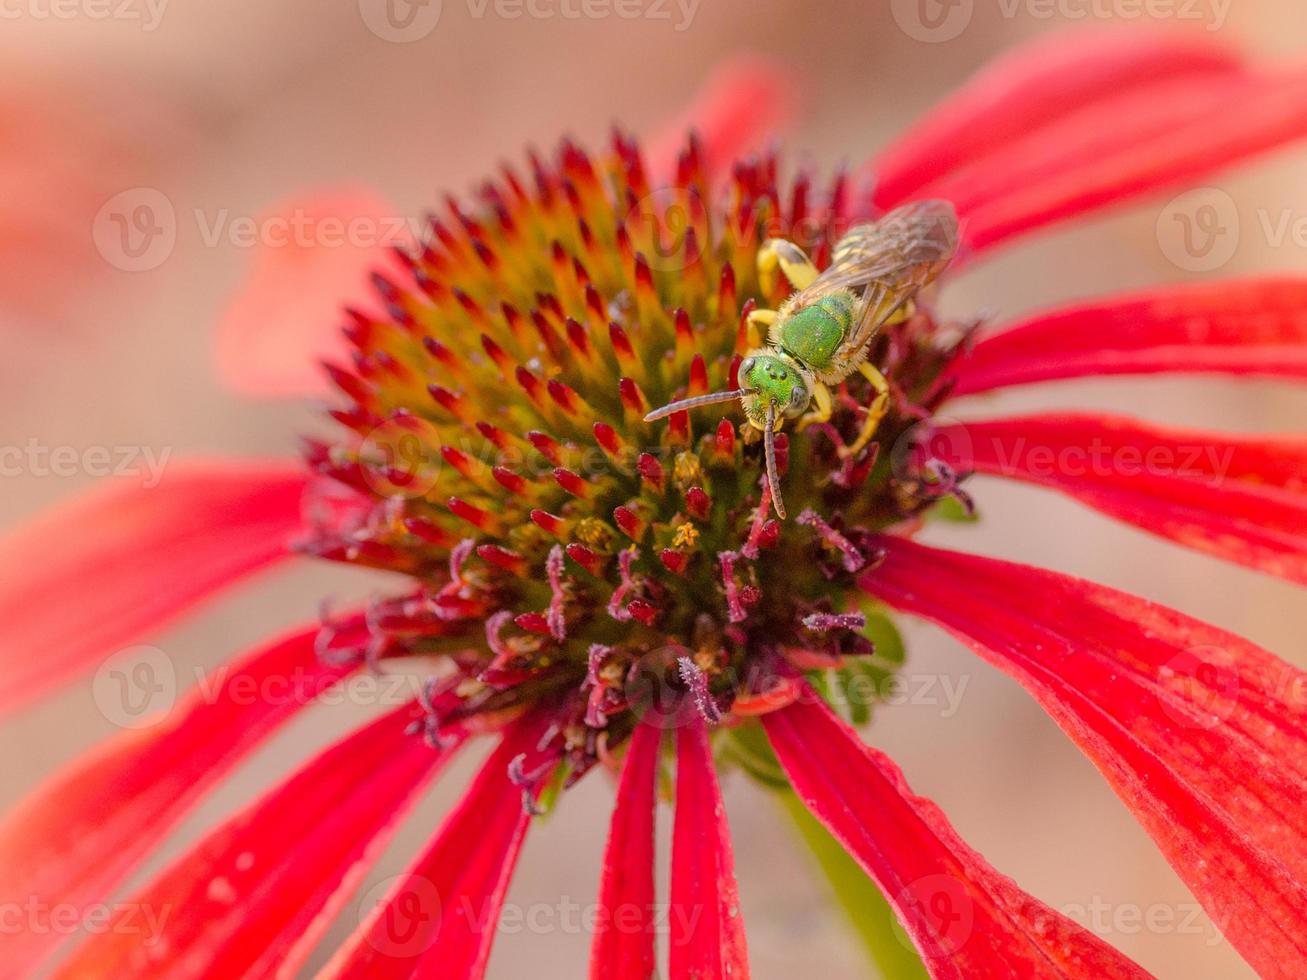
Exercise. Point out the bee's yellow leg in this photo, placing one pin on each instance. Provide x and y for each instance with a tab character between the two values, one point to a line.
796	266
760	322
822	408
902	314
879	406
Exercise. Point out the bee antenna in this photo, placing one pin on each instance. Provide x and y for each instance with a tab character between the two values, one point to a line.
769	450
712	398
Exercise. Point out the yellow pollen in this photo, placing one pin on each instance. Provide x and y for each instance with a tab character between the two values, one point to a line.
595	534
687	536
687	470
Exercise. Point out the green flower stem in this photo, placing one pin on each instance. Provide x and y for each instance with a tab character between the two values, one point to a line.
867	910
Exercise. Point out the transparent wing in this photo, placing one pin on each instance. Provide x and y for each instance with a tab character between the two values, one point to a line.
914	242
888	261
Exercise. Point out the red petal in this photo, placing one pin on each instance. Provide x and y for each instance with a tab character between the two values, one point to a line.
1025	91
1244	499
440	917
1201	733
742	103
965	918
252	898
1255	326
93	575
1120	148
312	261
79	835
707	924
75	153
624	933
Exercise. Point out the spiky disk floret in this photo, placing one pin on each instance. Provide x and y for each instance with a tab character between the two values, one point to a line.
563	550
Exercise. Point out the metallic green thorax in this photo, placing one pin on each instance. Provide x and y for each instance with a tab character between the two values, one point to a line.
815	333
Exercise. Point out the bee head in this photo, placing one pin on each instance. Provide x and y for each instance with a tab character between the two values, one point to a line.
772	387
772	380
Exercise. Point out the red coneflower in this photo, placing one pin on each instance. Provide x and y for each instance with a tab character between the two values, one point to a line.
593	589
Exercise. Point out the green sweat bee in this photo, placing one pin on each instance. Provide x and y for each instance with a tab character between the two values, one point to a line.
821	333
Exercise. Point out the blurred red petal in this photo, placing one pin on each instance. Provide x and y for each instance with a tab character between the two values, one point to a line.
288	314
1201	733
71	142
1027	90
252	898
965	918
92	575
1243	499
624	932
441	916
80	834
1121	148
707	924
743	102
1248	327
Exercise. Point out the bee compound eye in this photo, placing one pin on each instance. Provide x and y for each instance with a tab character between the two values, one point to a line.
747	365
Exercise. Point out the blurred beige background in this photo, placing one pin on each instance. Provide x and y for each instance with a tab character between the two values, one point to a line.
232	106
